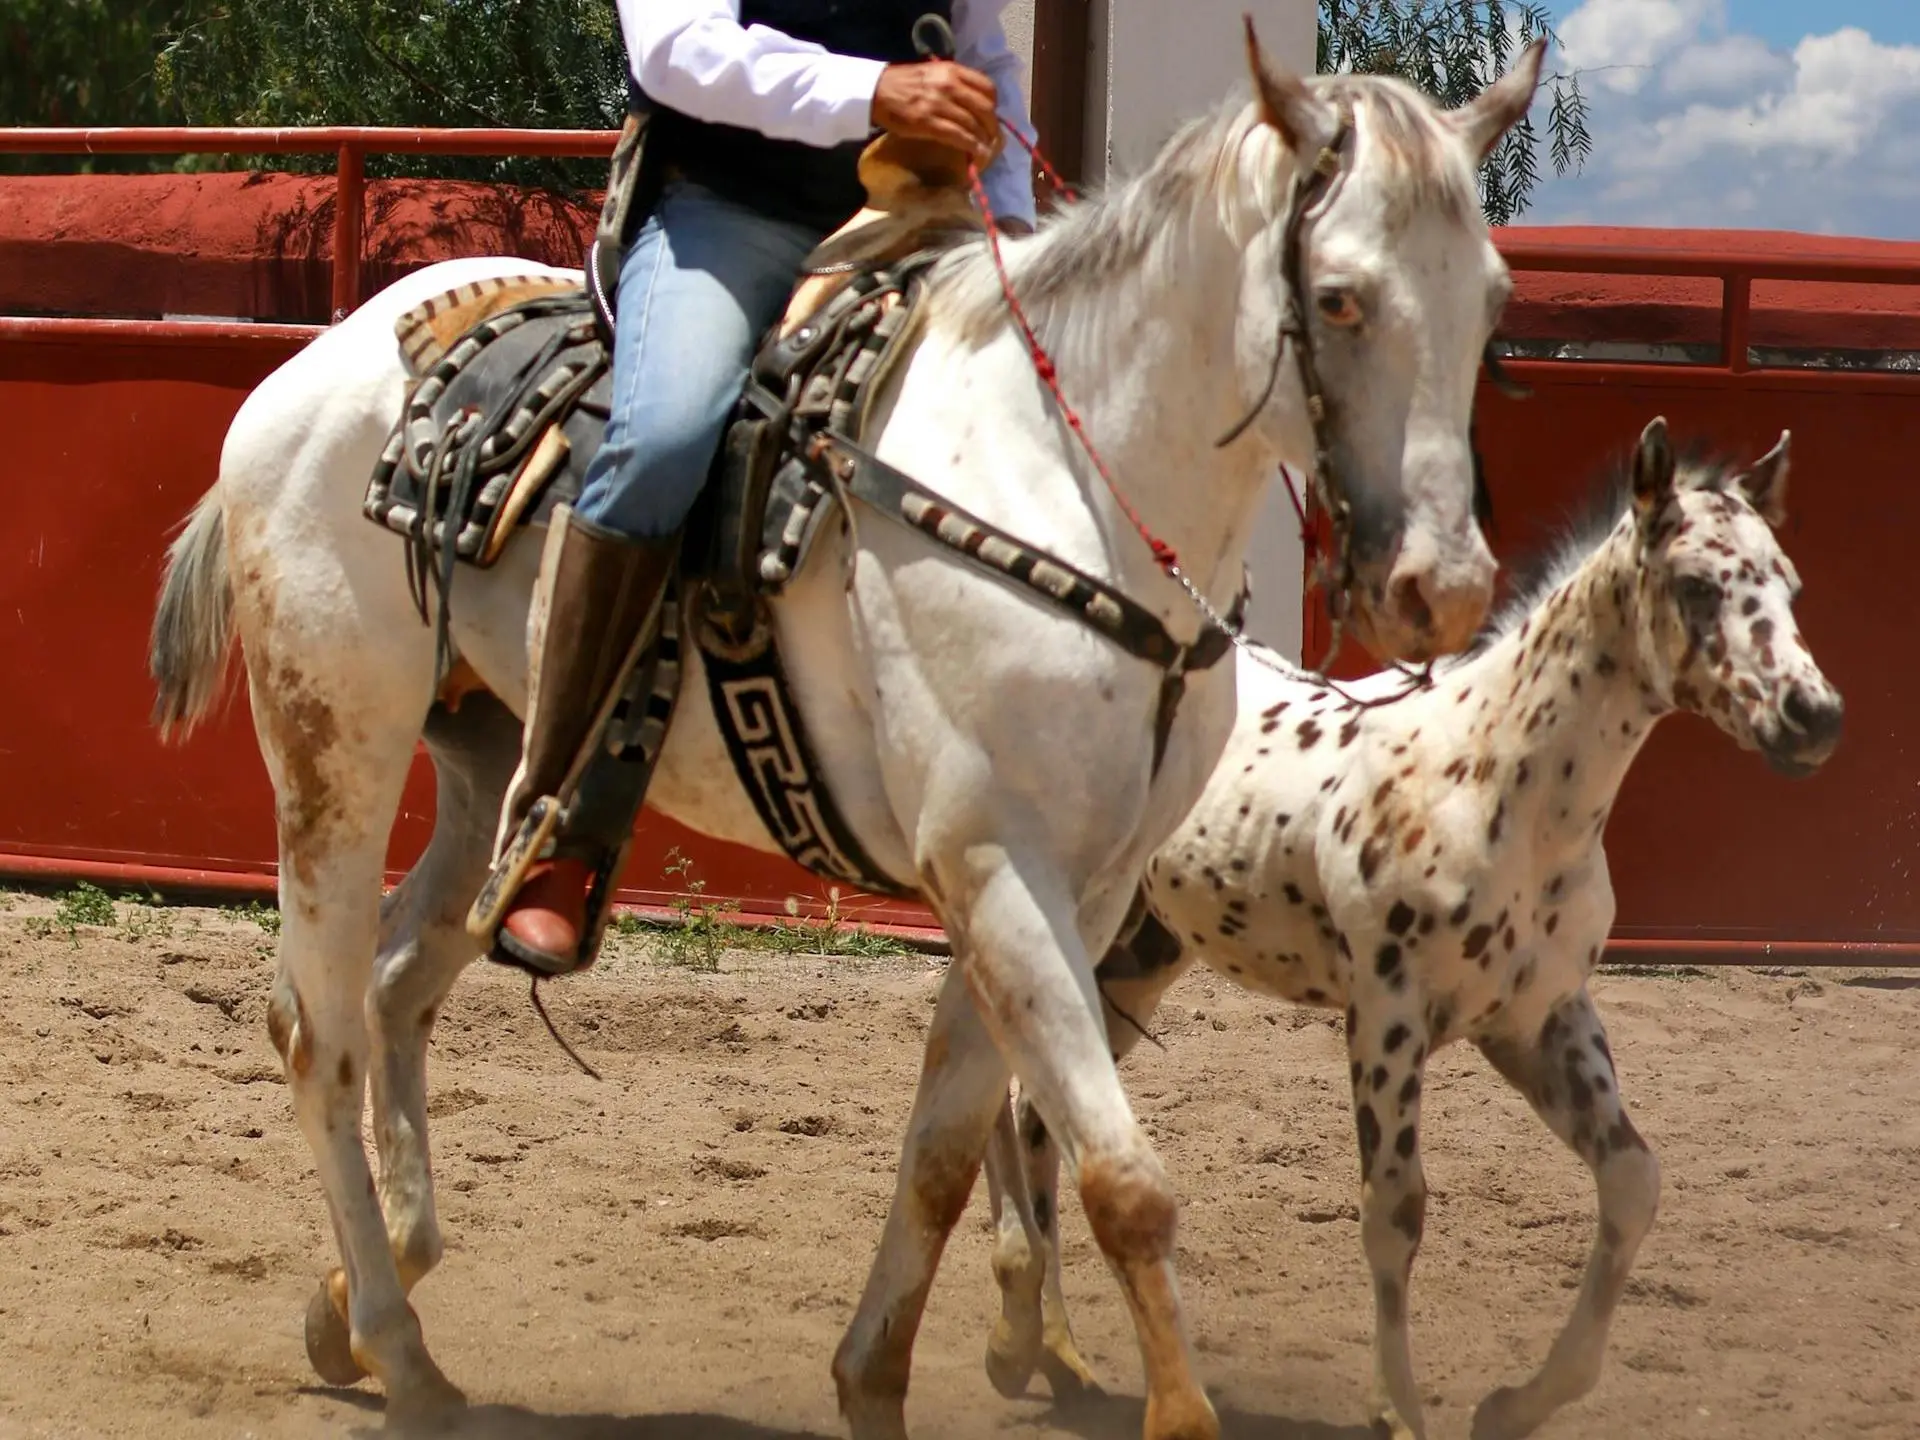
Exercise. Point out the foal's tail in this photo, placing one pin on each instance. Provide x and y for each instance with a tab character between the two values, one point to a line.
193	624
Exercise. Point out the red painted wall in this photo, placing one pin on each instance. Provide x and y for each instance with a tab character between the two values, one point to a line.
113	437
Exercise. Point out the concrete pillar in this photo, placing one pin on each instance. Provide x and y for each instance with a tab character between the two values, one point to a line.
1154	64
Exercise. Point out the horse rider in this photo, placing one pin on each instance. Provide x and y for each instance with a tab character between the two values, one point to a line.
759	110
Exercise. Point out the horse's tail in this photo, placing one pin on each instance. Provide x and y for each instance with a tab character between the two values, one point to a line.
193	624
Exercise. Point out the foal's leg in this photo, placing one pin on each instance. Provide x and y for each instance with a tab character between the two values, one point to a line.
963	1085
1019	1258
1566	1073
1387	1041
1026	1257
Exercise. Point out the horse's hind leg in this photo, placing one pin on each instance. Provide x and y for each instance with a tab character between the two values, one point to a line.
1566	1074
424	946
337	724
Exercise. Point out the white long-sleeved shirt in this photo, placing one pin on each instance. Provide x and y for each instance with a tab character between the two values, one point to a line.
696	57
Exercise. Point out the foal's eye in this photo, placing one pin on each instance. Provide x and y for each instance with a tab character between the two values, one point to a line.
1338	307
1699	599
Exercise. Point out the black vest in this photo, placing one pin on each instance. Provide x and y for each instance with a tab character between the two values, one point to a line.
786	179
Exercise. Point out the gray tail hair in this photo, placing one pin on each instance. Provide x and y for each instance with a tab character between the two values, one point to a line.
193	624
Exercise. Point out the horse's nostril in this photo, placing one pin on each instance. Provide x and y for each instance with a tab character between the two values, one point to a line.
1410	604
1818	720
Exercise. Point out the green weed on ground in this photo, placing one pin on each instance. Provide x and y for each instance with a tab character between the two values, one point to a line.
698	936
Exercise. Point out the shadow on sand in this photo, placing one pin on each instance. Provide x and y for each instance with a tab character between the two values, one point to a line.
1094	1417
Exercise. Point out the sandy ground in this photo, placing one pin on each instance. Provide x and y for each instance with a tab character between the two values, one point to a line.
674	1250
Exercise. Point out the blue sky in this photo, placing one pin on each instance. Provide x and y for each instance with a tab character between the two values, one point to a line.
1771	114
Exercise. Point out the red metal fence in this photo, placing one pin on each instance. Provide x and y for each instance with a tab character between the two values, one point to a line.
115	429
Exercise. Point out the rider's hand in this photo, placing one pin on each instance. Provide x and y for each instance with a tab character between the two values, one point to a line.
939	100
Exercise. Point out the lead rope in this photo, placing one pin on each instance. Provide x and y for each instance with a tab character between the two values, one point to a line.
1163	553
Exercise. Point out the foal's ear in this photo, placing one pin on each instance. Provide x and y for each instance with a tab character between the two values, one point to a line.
1498	108
1305	123
1764	483
1652	468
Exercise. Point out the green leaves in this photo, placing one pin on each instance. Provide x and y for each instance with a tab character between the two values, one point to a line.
546	64
1453	49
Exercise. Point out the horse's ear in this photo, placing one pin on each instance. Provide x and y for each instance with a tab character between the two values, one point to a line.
1652	468
1304	122
1498	108
1764	483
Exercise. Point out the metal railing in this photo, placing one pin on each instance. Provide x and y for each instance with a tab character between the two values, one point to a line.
349	144
1737	274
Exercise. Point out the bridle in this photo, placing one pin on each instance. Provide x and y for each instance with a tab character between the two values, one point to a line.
1309	195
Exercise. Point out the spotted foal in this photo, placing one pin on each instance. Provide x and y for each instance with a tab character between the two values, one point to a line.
1435	868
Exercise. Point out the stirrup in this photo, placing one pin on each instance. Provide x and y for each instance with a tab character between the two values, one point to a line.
489	907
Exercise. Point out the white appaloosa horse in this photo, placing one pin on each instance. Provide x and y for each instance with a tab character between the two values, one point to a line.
1435	866
988	751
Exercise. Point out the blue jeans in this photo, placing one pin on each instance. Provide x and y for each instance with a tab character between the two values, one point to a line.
701	284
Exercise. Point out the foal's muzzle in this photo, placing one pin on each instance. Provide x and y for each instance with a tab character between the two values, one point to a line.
1806	733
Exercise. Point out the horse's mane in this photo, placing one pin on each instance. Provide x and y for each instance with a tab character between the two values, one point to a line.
1222	165
1585	527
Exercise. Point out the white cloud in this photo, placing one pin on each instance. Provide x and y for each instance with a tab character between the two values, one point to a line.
1697	124
1619	42
1729	66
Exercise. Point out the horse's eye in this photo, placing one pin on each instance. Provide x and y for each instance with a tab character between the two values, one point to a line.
1699	599
1338	307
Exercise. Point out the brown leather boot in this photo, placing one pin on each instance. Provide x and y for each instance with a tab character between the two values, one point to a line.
599	592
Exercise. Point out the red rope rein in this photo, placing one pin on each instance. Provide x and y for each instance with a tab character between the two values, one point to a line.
1049	374
1043	365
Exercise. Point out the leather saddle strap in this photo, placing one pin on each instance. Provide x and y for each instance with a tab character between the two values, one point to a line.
1126	623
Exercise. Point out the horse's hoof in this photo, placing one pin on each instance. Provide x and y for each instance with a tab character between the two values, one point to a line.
1010	1362
1009	1373
1501	1416
329	1341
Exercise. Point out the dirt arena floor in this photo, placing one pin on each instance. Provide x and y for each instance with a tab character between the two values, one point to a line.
673	1251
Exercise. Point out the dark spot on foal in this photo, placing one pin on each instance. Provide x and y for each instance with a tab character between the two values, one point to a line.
1400	918
1369	1128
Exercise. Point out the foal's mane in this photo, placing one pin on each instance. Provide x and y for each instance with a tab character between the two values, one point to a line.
1222	166
1587	525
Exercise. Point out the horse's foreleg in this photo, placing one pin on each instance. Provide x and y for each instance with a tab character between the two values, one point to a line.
1035	989
1566	1073
963	1084
424	946
1034	1329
